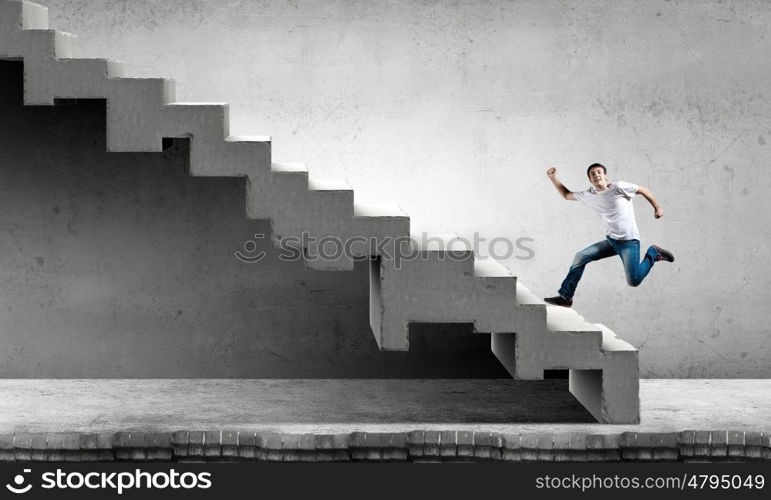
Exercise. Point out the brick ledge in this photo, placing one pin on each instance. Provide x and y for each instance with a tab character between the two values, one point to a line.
414	446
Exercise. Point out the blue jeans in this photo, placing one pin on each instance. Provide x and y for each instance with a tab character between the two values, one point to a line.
628	250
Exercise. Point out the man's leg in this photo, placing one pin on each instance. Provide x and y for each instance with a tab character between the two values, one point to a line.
599	250
629	251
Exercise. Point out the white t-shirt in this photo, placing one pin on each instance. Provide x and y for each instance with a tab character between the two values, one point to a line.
614	205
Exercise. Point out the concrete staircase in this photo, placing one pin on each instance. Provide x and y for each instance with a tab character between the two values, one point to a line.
438	281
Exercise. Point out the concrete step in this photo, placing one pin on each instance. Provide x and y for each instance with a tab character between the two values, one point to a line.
442	243
290	176
23	15
611	343
326	206
291	167
247	138
447	253
330	212
74	79
385	227
280	190
137	125
236	156
332	199
610	389
317	184
88	71
527	298
298	204
378	210
381	221
558	319
373	230
496	284
36	46
489	268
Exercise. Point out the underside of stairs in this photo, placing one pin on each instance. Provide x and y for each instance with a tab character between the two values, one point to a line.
434	281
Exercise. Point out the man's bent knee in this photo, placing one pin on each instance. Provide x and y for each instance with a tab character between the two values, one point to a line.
580	259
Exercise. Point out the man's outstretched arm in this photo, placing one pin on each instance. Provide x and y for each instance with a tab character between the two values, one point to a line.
563	191
658	212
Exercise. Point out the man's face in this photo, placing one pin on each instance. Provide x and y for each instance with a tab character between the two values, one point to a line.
598	178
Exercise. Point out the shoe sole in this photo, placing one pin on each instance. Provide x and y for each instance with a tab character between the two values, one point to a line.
559	305
665	255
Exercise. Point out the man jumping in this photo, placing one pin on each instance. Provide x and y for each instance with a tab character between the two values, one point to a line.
613	202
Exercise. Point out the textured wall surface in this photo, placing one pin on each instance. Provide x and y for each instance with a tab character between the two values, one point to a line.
455	109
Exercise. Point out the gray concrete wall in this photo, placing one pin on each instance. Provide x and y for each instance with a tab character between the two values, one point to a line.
454	110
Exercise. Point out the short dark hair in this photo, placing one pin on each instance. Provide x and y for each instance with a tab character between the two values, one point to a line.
595	165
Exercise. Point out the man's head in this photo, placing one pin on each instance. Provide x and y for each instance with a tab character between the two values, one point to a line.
598	176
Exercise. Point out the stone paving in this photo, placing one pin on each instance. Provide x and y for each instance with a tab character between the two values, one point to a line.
374	420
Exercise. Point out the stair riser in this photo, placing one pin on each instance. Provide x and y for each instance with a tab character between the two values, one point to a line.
234	159
610	395
22	15
38	46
